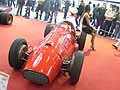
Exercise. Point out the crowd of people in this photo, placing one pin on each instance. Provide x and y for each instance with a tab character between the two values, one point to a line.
49	7
106	19
101	19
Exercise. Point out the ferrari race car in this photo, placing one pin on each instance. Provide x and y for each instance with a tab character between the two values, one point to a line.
5	17
58	51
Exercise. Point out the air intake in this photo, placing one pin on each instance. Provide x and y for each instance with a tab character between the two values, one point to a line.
35	77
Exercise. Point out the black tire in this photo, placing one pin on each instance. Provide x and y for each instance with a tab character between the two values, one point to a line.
17	49
76	67
81	40
47	30
6	18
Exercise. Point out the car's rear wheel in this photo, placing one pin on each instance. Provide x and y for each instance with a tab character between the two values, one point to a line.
76	67
6	18
16	53
81	40
47	30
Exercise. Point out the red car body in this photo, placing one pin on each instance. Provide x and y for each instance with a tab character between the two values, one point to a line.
56	51
57	46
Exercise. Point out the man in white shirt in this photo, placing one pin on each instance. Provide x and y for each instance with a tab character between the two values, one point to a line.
109	16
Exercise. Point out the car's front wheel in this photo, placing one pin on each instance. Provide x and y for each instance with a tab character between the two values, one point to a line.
76	67
16	53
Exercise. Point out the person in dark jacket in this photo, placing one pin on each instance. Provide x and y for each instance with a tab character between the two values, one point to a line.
67	5
3	2
97	13
116	33
55	4
12	2
94	16
28	5
46	8
73	3
9	2
101	18
79	13
39	8
114	21
20	4
33	4
109	16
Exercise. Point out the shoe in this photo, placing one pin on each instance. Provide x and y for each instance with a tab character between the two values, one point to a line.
114	46
49	21
27	17
16	15
24	16
113	38
93	48
35	17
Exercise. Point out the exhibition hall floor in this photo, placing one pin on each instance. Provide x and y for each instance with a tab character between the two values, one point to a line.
101	68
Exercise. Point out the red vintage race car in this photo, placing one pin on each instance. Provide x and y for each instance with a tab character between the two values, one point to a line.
58	51
5	17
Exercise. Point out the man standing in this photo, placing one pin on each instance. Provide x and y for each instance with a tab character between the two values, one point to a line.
55	4
109	16
73	3
97	14
67	5
114	22
46	8
33	4
28	5
20	4
79	13
9	3
39	8
12	2
116	33
101	17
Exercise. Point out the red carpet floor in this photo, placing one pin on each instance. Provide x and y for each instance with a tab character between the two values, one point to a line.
101	69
